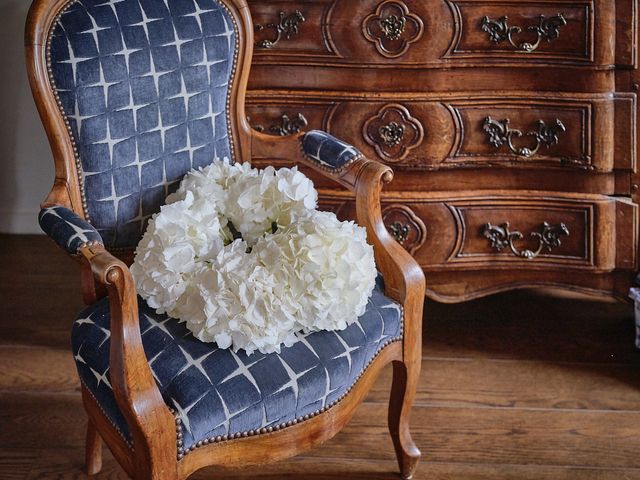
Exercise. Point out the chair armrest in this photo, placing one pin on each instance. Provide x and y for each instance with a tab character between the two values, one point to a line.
150	421
403	278
324	153
67	229
327	151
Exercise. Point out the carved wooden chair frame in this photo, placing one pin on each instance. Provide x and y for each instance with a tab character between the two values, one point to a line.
152	425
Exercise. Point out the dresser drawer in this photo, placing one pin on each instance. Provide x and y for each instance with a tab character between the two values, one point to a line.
422	131
527	230
437	33
532	31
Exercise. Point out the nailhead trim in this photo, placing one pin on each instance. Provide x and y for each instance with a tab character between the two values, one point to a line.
78	162
92	243
56	96
182	451
126	441
232	79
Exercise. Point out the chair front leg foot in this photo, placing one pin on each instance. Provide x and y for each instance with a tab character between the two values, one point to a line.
405	382
93	450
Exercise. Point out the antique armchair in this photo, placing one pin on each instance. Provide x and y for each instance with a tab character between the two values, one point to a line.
133	94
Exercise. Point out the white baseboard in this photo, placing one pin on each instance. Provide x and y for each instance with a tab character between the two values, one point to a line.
19	221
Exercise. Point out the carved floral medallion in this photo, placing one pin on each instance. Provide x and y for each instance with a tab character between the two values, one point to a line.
393	132
392	28
405	226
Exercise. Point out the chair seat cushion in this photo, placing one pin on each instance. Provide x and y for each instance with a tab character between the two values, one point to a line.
218	393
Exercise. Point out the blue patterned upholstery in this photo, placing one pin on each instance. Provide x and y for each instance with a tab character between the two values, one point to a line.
144	85
66	228
218	393
327	150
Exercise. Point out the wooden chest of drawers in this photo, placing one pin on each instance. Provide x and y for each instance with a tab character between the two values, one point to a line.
510	125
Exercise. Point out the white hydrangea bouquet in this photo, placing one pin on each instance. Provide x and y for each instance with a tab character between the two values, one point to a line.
245	259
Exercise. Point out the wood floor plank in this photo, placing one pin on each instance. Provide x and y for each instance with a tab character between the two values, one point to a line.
38	421
313	469
526	384
37	369
39	292
16	464
479	435
530	325
66	464
499	436
455	471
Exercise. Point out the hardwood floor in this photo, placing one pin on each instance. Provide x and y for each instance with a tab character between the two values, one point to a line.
524	385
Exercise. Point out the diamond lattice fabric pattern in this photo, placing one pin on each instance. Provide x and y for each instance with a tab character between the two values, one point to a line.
217	392
144	85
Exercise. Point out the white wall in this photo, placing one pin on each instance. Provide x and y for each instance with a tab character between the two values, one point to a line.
26	165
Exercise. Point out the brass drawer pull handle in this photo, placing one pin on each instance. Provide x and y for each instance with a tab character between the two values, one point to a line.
500	133
548	29
288	27
399	231
501	237
287	126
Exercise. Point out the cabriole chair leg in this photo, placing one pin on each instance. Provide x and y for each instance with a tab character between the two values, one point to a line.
405	382
93	450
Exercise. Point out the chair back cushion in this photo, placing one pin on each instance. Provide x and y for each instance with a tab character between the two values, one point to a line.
144	86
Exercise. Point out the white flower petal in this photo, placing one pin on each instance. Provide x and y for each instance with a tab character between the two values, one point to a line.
254	293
